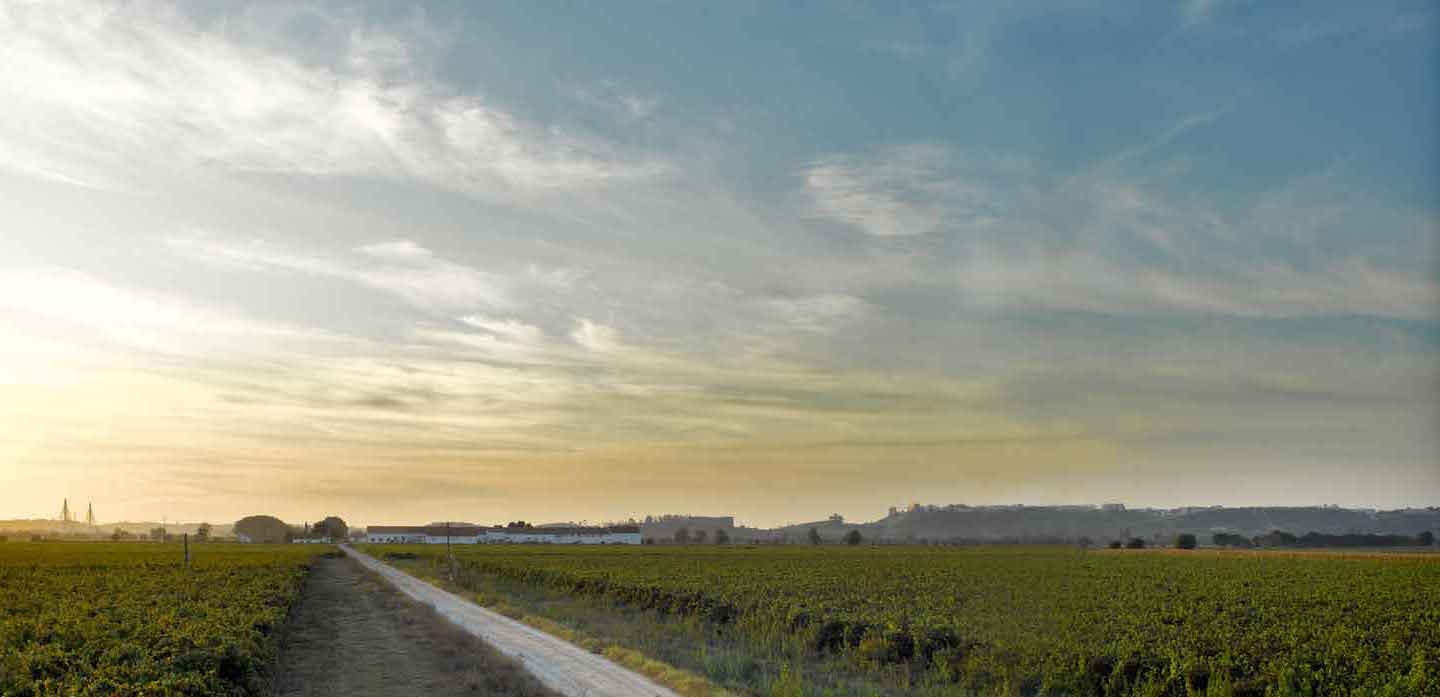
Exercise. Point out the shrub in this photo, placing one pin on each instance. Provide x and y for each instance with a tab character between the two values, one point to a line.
1135	543
1115	544
852	538
1185	541
1225	539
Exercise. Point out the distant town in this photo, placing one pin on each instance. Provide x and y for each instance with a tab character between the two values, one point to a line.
1097	524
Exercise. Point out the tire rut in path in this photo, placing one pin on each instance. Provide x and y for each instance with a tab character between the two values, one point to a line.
354	635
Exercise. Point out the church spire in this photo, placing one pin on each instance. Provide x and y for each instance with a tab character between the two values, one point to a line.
90	514
65	511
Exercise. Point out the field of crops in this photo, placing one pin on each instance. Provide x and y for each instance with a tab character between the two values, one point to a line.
131	619
1025	620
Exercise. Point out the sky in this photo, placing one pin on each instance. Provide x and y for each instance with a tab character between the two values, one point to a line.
565	261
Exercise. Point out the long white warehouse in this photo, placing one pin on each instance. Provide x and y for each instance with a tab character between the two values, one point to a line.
473	534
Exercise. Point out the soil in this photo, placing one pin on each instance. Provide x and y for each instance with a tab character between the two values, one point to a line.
353	635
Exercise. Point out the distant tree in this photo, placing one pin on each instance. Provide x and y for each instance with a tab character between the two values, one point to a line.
1185	541
682	536
699	537
263	529
518	524
814	536
1425	539
1228	539
1135	543
648	540
721	537
157	534
202	533
332	528
852	538
1115	544
1276	538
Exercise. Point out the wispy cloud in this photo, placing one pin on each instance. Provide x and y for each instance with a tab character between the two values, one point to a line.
72	300
402	268
93	91
1195	12
820	314
596	337
610	95
1105	240
506	328
1081	281
898	191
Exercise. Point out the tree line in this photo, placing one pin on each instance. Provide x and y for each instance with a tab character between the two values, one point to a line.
1280	538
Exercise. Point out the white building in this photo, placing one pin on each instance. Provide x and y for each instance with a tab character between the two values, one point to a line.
470	535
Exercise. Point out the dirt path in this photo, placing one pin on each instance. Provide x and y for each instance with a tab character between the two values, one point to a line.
354	635
560	665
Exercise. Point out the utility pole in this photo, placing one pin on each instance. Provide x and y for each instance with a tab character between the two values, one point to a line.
187	550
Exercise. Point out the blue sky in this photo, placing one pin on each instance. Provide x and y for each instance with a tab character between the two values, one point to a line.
566	260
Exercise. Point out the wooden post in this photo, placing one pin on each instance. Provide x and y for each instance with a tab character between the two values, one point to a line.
187	550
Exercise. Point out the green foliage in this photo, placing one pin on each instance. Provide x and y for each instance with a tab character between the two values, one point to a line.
129	619
852	538
332	528
1029	620
1135	543
1185	541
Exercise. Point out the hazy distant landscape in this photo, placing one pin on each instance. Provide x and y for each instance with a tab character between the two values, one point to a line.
954	524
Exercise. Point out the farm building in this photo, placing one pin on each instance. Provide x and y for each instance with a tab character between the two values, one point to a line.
469	535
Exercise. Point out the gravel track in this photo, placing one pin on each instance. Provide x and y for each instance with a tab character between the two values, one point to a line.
353	635
558	664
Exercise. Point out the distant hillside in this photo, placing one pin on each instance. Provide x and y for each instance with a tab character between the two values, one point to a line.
958	523
1066	523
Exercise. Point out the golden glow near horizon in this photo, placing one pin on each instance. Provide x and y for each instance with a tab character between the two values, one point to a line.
304	261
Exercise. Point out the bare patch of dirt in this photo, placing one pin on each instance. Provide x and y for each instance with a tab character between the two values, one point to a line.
354	635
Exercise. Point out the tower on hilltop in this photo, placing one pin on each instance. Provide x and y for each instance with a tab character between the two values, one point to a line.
90	514
65	511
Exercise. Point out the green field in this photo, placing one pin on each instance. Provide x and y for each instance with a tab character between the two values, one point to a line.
131	619
1018	620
